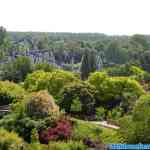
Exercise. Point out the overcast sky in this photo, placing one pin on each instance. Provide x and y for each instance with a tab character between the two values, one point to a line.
103	16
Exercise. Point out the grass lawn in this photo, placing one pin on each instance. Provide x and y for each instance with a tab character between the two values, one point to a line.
84	129
110	136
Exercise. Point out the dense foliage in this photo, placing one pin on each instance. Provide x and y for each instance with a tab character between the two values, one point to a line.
17	69
135	129
69	48
44	66
26	115
116	91
107	79
53	82
10	140
78	97
10	92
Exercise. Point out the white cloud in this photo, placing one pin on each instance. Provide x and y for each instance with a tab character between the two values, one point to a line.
104	16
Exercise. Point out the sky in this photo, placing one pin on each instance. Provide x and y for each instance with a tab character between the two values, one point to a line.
112	17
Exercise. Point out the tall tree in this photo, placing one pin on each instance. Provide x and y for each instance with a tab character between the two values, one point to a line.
43	43
88	63
5	43
2	35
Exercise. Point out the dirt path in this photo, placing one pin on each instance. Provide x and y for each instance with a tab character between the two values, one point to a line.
105	124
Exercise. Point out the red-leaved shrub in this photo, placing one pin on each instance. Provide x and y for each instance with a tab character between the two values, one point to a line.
62	131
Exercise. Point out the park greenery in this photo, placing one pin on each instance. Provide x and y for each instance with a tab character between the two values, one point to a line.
54	102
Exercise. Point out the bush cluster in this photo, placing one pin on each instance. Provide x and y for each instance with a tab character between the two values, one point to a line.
39	111
36	117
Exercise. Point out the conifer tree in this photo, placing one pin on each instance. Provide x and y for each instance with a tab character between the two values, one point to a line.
88	64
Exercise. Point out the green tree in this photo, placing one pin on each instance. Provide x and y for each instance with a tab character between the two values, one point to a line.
45	67
10	92
81	94
114	91
141	39
100	113
136	129
115	53
51	81
17	69
5	43
2	35
10	140
43	43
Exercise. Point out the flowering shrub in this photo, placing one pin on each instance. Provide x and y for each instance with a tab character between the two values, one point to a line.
62	130
40	105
